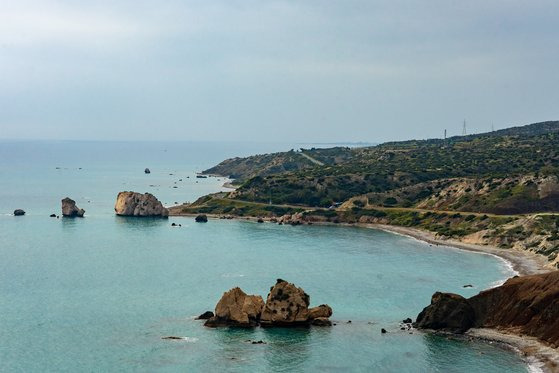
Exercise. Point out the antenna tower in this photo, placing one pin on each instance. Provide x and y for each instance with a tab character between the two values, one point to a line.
464	128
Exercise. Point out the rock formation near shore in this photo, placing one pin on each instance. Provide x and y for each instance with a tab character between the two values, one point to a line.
236	308
286	305
448	312
524	305
69	208
137	204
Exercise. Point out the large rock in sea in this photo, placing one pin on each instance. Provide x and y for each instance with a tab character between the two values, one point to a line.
527	305
137	204
286	305
236	308
448	312
70	209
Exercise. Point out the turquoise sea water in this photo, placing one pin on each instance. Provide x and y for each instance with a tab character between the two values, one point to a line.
97	294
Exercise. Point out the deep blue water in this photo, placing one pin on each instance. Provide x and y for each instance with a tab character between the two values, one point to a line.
98	293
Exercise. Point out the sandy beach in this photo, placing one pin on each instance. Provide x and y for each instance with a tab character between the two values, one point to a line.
523	262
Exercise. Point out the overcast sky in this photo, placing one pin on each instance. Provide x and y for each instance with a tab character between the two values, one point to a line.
311	71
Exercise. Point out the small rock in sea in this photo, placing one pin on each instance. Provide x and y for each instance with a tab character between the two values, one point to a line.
70	209
201	218
205	316
321	321
52	215
468	286
147	171
172	337
402	328
19	212
258	342
170	174
173	225
407	321
180	179
383	331
260	220
175	187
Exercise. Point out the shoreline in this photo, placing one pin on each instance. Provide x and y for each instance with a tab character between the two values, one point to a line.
535	353
522	262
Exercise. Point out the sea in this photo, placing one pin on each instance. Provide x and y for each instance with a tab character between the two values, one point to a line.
98	294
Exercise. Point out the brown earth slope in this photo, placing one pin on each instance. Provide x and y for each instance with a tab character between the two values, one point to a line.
526	305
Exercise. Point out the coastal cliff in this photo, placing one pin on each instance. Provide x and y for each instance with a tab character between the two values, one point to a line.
527	305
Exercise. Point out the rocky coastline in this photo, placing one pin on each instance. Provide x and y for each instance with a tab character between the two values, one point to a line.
535	351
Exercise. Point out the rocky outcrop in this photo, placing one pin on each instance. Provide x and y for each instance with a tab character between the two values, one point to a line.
448	312
69	208
19	212
201	218
527	305
205	316
137	204
236	308
322	311
286	305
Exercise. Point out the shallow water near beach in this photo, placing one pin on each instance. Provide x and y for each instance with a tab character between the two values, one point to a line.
99	293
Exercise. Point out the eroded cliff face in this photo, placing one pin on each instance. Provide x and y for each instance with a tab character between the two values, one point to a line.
526	305
137	204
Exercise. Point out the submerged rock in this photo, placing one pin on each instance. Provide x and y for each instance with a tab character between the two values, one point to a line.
236	308
69	208
321	321
19	212
137	204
